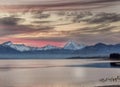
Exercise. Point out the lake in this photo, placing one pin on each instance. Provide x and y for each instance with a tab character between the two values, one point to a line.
58	73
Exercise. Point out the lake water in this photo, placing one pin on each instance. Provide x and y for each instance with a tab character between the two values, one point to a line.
58	73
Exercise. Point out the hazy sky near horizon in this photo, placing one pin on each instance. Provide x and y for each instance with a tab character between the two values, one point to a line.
41	22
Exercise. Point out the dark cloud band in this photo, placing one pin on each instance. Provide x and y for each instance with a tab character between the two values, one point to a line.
59	4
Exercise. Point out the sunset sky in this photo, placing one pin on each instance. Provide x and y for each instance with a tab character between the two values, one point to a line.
42	22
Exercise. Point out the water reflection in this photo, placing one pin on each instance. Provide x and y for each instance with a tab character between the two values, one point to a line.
54	73
89	65
95	65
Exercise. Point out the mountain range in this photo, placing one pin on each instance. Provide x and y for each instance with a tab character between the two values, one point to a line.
69	50
21	47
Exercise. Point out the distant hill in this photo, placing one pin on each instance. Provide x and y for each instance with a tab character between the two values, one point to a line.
98	50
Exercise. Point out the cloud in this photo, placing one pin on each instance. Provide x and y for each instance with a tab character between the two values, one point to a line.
80	35
41	22
81	16
15	24
89	17
95	30
92	30
21	29
30	5
11	26
56	2
40	15
11	20
105	17
95	34
101	17
61	26
102	28
45	29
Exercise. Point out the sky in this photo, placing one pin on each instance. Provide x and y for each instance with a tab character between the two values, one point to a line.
54	22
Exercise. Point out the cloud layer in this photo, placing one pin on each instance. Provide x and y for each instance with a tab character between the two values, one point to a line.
30	5
61	26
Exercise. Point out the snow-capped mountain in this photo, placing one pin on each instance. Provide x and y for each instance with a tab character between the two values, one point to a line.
19	47
22	47
49	47
71	45
71	49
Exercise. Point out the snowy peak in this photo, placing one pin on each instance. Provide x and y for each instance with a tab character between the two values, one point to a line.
70	45
73	46
22	47
19	47
49	47
8	43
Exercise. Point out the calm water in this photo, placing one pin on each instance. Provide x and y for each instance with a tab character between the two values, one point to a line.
56	73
